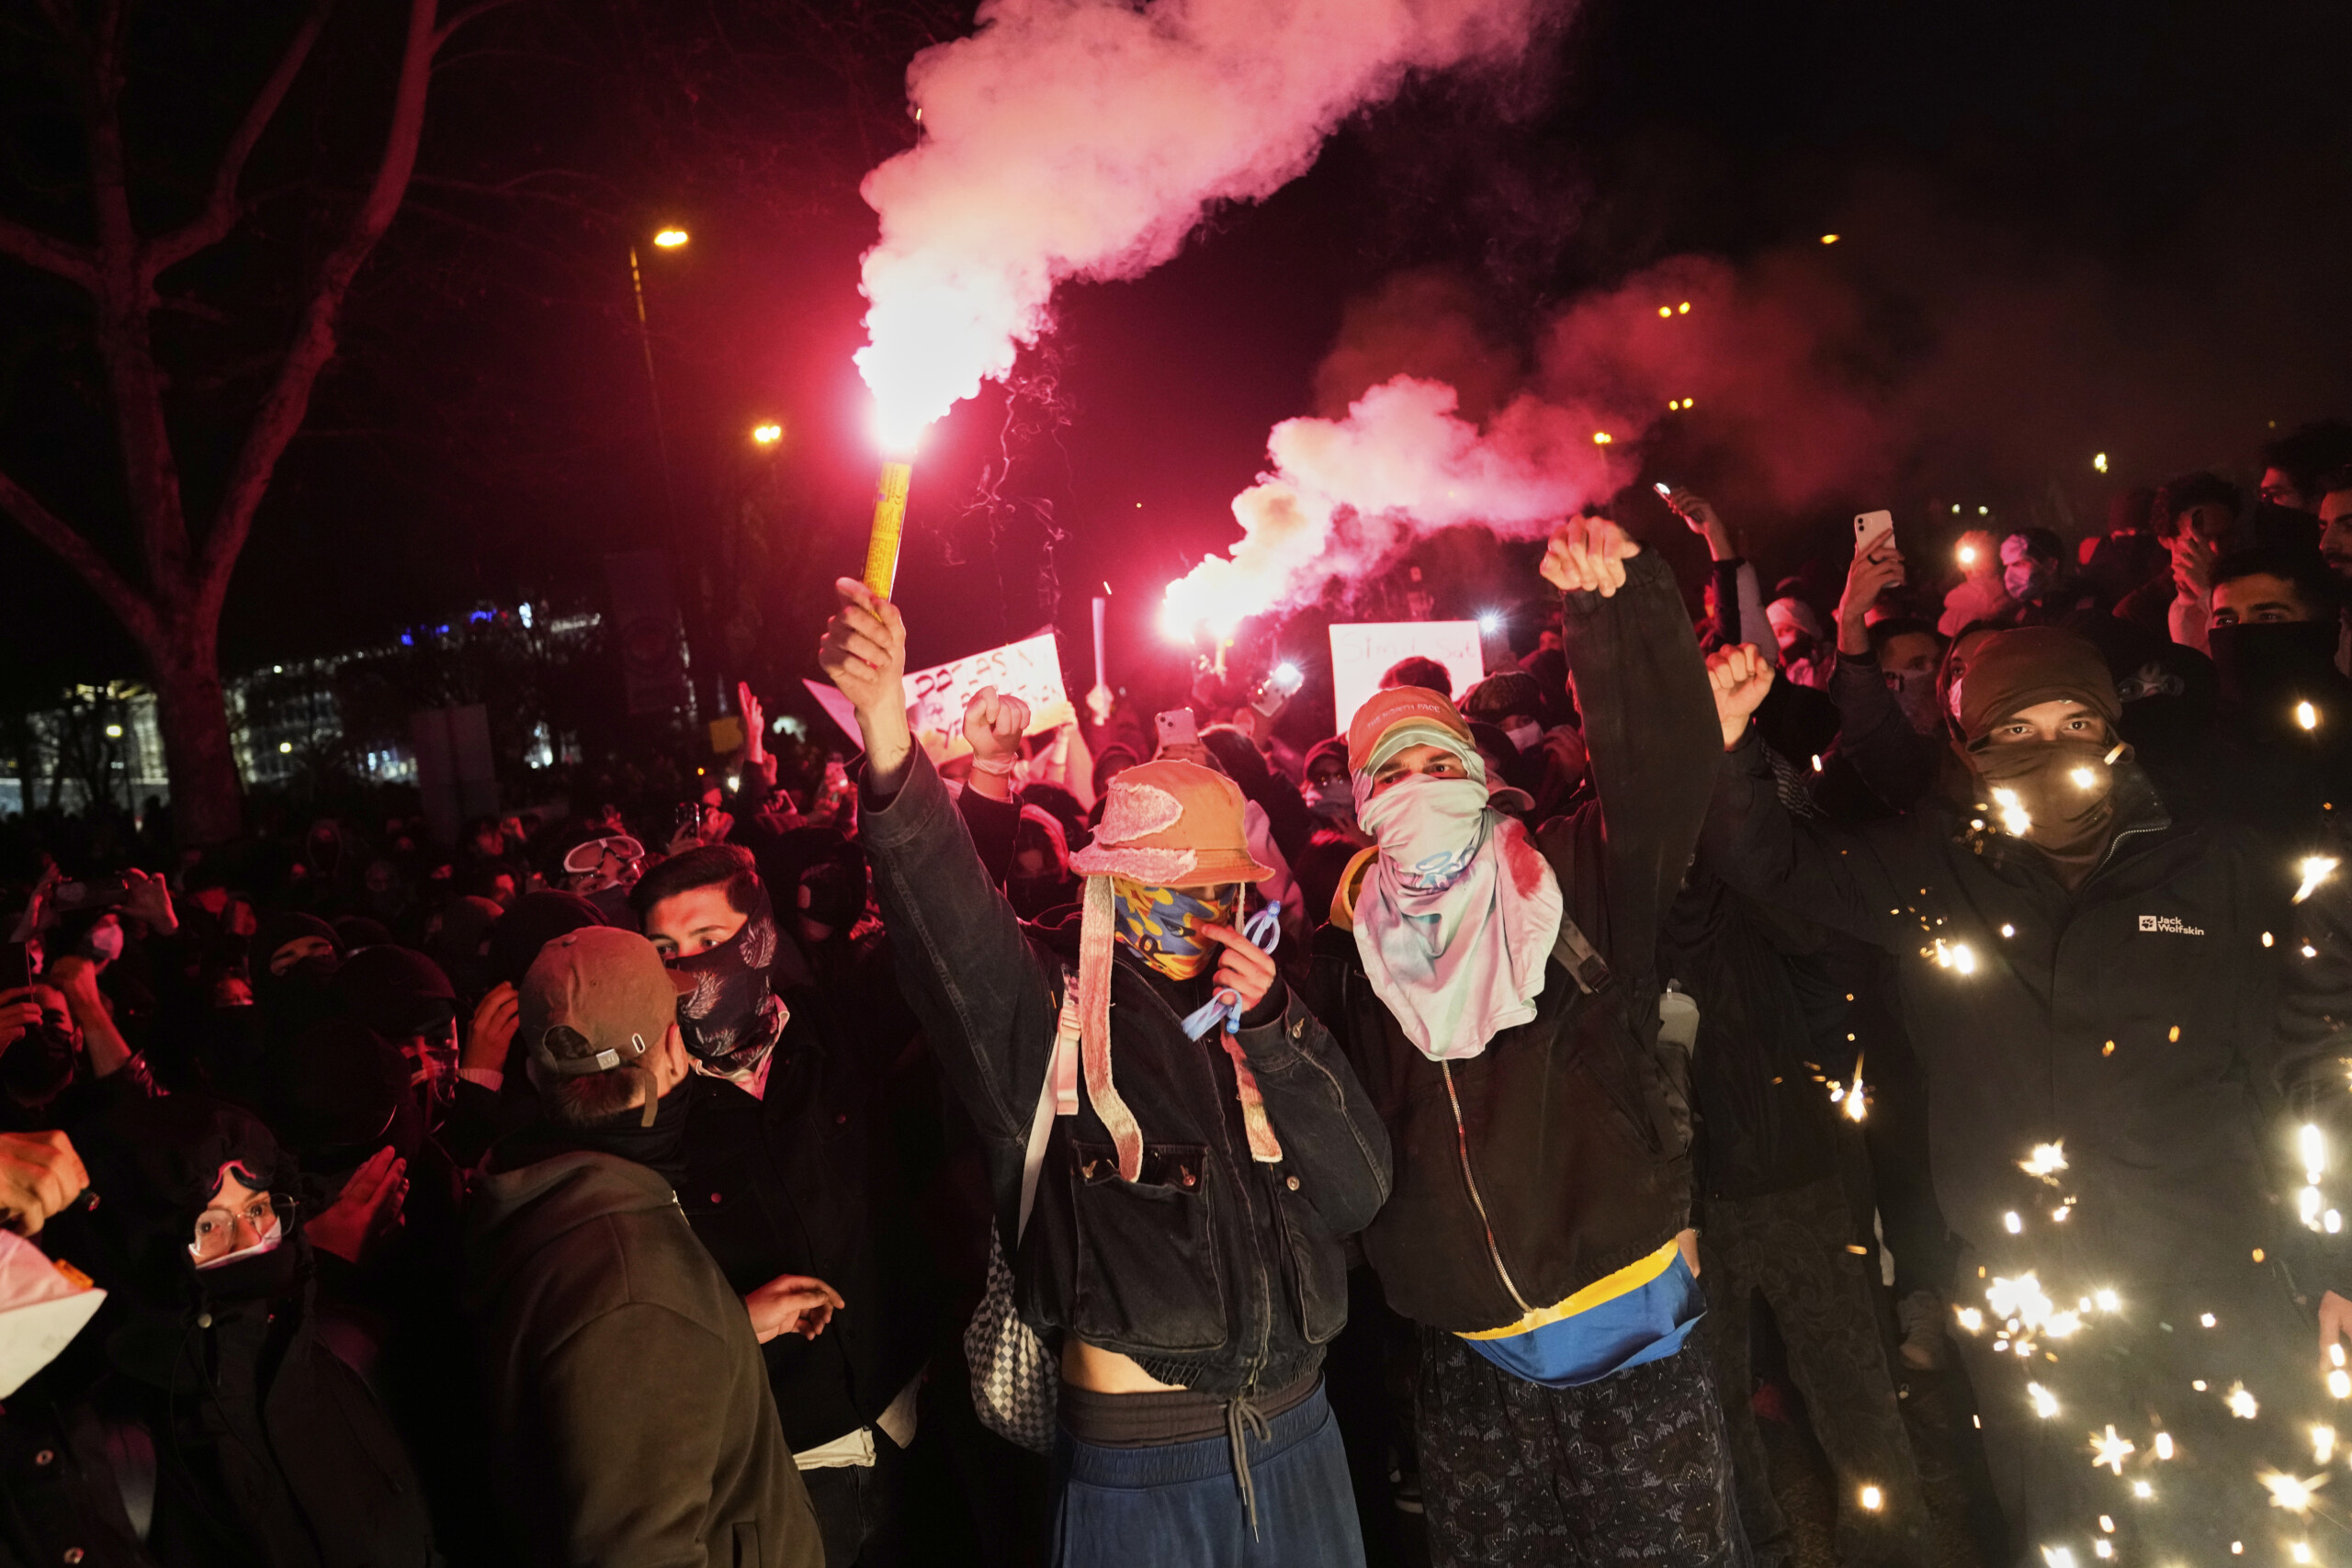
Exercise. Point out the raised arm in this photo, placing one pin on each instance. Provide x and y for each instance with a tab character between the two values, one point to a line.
1839	877
1649	722
986	1000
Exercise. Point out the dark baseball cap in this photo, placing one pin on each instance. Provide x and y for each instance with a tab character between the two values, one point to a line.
594	1000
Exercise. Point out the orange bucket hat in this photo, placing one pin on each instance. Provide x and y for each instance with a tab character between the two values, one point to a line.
1170	824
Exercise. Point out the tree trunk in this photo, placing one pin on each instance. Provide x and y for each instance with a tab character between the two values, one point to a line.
192	711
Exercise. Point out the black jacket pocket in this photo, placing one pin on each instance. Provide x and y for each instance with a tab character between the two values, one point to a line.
1146	1274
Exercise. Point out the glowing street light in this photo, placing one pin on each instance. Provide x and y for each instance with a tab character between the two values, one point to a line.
2099	462
669	239
1829	239
767	434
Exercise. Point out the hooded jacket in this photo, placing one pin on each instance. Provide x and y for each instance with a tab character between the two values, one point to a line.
634	1422
1561	1152
1214	1271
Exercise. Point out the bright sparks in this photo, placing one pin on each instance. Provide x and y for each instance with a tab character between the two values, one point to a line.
2083	778
2013	1225
2307	715
2163	1445
2111	1450
2242	1402
1829	239
2046	1161
2290	1492
2108	1301
1872	1498
2057	1557
2313	870
1970	1319
1957	956
767	434
2323	1444
2142	1491
2099	462
2015	821
2339	1382
2045	1403
2312	1145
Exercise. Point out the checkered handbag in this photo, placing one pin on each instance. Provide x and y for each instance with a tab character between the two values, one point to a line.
1015	1385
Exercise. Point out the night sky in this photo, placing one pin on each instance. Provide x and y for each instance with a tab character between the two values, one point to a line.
2064	229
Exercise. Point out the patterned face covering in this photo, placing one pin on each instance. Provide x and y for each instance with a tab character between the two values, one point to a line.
1162	925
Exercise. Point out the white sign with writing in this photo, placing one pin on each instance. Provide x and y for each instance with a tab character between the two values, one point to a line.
1031	669
1362	653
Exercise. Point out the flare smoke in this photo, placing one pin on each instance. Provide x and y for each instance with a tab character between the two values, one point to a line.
1084	138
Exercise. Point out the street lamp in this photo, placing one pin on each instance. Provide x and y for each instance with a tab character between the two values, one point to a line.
767	434
669	238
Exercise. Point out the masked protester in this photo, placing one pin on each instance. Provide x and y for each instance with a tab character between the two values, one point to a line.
1181	1260
267	1447
790	1178
631	1415
2285	708
1499	993
2091	991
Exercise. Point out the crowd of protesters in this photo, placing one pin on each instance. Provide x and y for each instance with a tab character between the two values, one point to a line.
1911	1020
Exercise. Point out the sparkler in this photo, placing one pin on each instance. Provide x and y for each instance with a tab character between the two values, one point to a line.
2290	1492
2315	870
2110	1449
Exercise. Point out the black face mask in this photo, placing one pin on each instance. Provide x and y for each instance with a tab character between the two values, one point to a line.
2272	665
732	1018
38	1065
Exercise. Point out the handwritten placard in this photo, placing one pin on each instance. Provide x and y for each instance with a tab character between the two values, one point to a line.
1362	653
1031	669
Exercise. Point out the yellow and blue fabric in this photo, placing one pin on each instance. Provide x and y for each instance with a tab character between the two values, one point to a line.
1162	925
1643	1313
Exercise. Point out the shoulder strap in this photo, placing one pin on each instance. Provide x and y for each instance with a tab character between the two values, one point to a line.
1584	967
1058	1096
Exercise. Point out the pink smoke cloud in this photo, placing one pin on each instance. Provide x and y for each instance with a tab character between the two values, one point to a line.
1085	139
1344	495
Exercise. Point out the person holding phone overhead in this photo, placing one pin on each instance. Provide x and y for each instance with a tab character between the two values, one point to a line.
1174	1144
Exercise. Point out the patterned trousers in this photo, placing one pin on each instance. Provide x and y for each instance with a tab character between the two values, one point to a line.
1791	1247
1631	1469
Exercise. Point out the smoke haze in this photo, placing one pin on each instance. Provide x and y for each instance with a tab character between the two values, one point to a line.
1085	139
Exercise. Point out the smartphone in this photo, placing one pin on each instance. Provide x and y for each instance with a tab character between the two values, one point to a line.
1663	490
1871	529
689	818
99	893
15	966
1178	727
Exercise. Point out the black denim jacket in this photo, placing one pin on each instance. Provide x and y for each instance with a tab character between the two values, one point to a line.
1214	1272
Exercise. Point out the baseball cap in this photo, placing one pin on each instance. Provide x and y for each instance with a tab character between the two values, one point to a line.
594	1000
1407	716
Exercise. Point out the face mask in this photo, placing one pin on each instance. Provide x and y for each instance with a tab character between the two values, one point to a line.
1525	736
2059	795
1914	694
104	943
271	1234
2025	580
2267	667
732	1018
1426	829
1162	925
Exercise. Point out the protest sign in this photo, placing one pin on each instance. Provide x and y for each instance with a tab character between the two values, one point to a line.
1030	669
1361	653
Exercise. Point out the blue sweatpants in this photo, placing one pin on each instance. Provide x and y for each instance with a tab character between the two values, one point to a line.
1180	1506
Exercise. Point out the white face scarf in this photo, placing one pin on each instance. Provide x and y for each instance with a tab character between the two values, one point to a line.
1457	913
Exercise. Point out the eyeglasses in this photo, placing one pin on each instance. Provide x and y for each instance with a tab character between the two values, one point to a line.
582	859
216	1229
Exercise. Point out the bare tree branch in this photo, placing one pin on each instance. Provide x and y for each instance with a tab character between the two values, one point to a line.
221	209
48	252
135	611
289	399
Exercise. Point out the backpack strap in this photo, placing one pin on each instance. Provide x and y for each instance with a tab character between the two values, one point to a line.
1059	1097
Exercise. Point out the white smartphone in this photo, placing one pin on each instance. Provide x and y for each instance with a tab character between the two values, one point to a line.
1178	727
1871	529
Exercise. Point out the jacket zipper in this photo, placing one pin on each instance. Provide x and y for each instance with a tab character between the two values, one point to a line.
1462	1142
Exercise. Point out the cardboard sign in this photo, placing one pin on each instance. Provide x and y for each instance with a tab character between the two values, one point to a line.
1362	653
1031	669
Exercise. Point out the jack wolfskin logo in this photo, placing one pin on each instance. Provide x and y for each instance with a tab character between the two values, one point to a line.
2170	925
